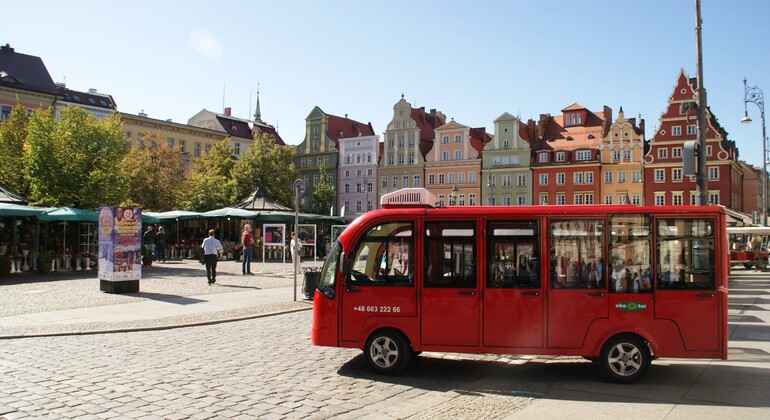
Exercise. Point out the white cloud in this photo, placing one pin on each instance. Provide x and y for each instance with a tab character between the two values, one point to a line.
205	43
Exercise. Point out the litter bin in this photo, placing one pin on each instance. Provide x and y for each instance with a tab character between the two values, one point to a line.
312	275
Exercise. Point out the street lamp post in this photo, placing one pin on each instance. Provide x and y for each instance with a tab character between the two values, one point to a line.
366	188
453	196
299	189
754	95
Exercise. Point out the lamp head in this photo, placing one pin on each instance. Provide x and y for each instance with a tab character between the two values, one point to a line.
746	119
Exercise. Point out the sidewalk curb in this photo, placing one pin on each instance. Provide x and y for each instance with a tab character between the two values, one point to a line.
155	328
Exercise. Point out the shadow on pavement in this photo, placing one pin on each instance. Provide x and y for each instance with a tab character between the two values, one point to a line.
176	299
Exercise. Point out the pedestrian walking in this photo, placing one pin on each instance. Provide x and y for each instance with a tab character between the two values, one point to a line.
148	240
248	242
160	244
211	250
295	246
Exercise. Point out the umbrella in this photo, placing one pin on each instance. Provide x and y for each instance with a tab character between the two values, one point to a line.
8	209
231	212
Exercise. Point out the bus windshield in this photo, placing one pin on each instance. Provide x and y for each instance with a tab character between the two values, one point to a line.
329	271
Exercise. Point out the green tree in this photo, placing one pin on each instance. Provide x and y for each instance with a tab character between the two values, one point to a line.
13	136
211	185
156	175
78	161
323	195
267	166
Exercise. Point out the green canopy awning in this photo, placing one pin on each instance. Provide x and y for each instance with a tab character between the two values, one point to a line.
69	214
175	215
8	209
231	212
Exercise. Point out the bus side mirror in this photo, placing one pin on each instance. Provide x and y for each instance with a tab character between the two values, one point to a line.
343	264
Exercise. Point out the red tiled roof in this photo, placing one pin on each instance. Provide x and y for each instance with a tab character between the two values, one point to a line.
574	107
585	136
427	123
240	128
479	138
343	127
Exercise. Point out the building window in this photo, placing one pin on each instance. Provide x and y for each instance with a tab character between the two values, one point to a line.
714	198
390	159
197	149
676	174
431	179
583	155
713	173
358	206
521	180
560	157
395	182
608	177
708	150
492	180
461	177
5	112
405	181
607	199
588	177
627	155
676	130
315	180
676	152
560	178
621	199
491	201
461	200
636	175
458	154
615	155
457	138
660	175
677	199
236	148
400	159
170	142
621	177
589	198
445	139
416	181
522	200
577	178
471	177
347	188
440	179
577	199
543	179
663	153
636	199
543	199
660	199
505	144
445	155
560	199
691	129
471	199
384	182
543	157
506	180
358	173
183	146
411	158
347	174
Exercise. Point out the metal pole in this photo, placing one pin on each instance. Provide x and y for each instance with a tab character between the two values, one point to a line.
702	178
757	97
298	184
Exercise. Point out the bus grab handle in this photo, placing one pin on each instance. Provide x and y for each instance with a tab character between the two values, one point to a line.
595	294
468	293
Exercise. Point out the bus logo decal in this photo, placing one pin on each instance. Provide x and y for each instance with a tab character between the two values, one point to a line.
631	306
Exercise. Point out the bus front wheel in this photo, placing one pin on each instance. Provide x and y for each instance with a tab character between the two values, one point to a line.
625	358
387	352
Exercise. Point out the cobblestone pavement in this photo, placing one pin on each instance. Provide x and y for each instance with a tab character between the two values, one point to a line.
266	368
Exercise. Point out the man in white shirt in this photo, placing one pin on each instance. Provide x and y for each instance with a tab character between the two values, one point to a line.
211	249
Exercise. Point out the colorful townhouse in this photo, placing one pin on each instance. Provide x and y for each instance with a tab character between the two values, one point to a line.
24	78
453	165
566	165
664	178
321	148
621	152
357	174
407	140
507	176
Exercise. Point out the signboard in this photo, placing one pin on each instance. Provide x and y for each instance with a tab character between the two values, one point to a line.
274	240
308	238
120	249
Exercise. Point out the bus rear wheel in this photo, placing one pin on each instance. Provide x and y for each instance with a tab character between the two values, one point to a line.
625	359
387	352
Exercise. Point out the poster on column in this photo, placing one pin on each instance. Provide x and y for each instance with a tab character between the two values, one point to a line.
120	249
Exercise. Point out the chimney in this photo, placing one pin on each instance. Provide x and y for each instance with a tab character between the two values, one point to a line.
433	111
228	111
92	90
142	114
6	48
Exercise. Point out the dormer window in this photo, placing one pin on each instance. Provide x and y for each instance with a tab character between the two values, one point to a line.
543	157
583	155
560	157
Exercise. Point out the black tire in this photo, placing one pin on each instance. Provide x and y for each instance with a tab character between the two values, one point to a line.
387	352
625	359
747	266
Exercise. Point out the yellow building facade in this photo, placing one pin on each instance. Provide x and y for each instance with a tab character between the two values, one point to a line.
192	141
621	153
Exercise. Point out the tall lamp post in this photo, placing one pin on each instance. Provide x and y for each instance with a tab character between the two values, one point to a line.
299	189
453	196
366	188
754	95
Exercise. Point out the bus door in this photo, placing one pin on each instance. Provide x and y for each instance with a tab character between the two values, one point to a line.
686	283
577	293
513	301
450	295
381	279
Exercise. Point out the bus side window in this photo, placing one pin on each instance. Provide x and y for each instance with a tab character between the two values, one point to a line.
383	257
513	255
686	254
630	253
577	260
451	258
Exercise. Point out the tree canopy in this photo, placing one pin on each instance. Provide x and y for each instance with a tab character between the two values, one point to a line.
267	166
323	195
78	161
156	174
13	135
210	185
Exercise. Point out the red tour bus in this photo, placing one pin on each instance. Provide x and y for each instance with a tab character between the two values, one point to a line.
616	284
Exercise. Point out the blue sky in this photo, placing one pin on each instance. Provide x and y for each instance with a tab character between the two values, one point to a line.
471	60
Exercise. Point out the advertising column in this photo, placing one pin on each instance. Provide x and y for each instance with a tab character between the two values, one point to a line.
120	249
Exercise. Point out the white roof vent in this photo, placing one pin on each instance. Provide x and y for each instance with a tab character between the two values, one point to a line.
408	197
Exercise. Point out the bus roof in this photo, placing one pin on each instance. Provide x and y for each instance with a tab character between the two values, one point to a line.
759	230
